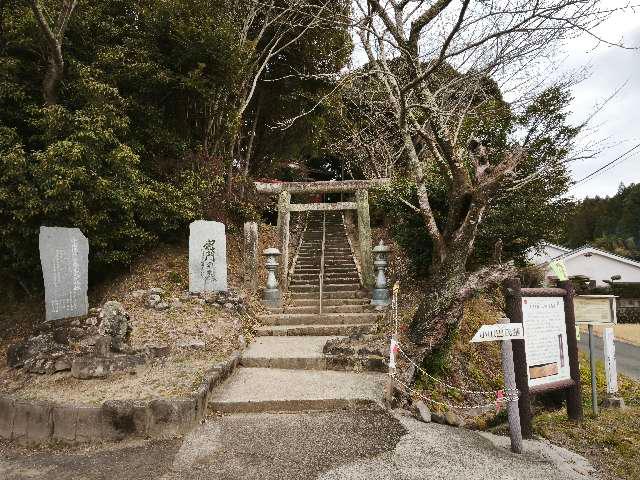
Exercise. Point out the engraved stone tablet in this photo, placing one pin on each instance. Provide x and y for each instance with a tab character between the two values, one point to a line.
64	256
207	257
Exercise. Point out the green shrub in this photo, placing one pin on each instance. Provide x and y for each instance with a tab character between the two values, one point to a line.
86	178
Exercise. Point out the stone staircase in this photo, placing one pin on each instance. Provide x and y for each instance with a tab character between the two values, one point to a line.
285	369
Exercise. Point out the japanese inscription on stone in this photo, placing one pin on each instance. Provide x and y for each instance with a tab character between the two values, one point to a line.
207	257
64	256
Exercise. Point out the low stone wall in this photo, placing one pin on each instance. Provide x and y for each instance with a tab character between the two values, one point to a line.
36	421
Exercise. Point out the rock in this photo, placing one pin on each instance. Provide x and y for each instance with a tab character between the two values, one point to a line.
76	323
153	300
62	364
176	303
93	321
115	322
90	366
438	418
453	419
76	333
156	351
103	345
16	355
190	343
162	306
422	412
89	341
156	291
229	306
36	353
402	412
242	342
138	294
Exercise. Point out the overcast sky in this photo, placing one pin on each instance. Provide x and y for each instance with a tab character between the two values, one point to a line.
618	124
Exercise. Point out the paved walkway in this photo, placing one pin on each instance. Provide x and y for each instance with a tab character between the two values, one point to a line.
321	445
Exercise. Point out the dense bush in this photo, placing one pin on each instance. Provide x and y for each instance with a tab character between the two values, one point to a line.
86	177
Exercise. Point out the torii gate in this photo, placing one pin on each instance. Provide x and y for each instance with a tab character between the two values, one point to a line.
361	205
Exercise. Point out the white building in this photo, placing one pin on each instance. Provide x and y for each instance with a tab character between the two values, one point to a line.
587	261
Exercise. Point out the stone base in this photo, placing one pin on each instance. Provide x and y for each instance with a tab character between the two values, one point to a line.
381	297
614	402
272	298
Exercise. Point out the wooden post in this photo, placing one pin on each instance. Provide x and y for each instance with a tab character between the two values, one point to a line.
574	394
513	299
513	413
364	237
251	256
284	216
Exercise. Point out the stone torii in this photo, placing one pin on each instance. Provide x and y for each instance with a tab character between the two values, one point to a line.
361	205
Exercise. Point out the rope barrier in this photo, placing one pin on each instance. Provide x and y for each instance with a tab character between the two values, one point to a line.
502	395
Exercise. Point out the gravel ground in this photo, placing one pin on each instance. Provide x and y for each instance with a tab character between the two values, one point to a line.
326	446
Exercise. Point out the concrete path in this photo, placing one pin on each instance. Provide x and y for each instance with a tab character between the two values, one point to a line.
321	445
627	355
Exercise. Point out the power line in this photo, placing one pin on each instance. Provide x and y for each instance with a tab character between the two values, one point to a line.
617	159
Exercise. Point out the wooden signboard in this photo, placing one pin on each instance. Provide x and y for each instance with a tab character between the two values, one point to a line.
595	309
547	358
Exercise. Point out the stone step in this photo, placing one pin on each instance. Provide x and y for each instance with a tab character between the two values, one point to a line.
327	273
286	352
328	279
305	353
362	308
326	302
338	287
324	318
279	390
317	330
313	302
327	295
316	263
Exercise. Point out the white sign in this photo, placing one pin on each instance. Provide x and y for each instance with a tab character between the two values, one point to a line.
610	368
502	331
545	340
595	309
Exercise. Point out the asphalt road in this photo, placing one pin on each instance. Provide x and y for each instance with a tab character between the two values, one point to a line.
627	355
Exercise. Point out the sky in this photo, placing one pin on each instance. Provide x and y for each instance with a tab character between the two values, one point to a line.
617	124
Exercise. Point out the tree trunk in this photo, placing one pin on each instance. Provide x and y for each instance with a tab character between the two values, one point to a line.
51	80
438	313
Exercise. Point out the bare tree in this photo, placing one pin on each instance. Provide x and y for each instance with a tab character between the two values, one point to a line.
434	62
266	29
53	32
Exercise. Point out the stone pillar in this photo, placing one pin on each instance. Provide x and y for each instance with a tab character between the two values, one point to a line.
364	237
272	294
251	256
284	216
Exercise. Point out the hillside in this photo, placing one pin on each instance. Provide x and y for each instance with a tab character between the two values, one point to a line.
198	332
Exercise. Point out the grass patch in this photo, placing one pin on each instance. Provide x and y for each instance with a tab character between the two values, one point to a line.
611	441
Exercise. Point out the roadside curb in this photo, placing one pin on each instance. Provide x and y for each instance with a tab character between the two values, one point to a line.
31	422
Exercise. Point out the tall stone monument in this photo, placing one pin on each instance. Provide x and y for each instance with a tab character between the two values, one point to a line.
251	256
207	257
64	256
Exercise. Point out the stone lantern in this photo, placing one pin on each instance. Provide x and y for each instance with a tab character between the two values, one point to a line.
272	294
381	295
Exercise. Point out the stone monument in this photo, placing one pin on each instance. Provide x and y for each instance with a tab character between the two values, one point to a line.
64	256
207	257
